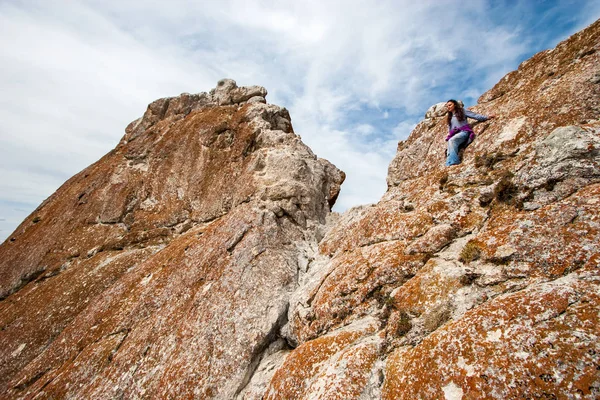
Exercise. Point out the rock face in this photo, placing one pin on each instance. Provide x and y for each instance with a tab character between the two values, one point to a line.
484	277
164	269
199	259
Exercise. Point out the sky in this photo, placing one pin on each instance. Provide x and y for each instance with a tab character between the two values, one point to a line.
356	75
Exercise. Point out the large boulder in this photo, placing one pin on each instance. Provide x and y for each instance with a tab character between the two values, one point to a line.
165	268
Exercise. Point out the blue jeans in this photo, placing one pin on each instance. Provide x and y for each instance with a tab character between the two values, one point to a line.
454	145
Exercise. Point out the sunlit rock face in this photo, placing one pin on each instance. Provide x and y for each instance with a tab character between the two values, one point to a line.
164	269
484	277
200	259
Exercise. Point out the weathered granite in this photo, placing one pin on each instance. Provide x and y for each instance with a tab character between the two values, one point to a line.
485	276
199	259
165	268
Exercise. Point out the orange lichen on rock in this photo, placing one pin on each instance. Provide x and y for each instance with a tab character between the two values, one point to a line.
334	366
540	342
357	282
165	268
426	290
553	240
200	259
380	223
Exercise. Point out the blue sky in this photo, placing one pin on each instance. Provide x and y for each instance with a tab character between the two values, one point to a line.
355	75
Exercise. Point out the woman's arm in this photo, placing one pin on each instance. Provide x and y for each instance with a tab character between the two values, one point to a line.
478	117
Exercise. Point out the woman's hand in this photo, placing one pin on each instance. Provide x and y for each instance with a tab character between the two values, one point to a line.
491	116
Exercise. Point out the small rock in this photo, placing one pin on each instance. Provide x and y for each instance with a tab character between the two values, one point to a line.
222	93
257	99
434	240
242	94
504	252
530	206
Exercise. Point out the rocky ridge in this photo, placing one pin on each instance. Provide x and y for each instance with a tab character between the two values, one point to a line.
474	281
164	269
200	258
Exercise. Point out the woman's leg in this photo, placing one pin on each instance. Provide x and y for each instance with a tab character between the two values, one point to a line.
454	146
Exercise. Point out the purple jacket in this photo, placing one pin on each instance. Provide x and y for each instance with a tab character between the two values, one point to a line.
457	126
466	128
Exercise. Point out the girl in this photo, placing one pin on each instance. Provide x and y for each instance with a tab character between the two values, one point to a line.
459	132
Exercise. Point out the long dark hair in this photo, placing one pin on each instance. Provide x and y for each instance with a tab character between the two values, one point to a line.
460	112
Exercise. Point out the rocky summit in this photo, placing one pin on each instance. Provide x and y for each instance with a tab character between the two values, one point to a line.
200	258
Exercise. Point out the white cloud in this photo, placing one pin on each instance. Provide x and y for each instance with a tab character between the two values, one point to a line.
404	128
74	74
365	129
